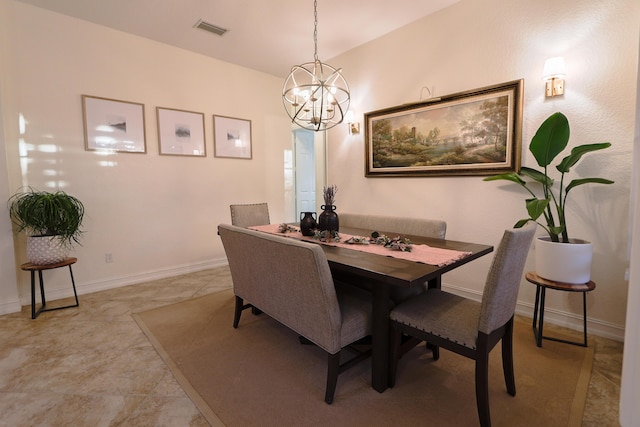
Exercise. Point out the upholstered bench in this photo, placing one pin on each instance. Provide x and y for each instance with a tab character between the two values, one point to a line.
290	281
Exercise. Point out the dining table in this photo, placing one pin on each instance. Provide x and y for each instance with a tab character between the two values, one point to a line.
381	271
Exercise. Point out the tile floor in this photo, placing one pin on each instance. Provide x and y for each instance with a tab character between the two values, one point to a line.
93	366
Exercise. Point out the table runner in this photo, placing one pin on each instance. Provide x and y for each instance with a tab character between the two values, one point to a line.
419	252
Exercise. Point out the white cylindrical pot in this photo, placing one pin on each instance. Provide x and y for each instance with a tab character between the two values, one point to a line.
564	262
43	250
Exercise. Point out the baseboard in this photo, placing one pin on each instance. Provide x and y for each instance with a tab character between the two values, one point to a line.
7	307
557	317
117	282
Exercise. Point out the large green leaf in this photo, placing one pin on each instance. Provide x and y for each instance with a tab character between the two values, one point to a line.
581	181
536	207
510	176
555	231
536	176
551	138
577	153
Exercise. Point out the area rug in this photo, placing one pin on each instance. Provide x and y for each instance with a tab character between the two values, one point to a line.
260	375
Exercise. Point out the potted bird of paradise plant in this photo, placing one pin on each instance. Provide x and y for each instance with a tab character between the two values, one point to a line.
547	204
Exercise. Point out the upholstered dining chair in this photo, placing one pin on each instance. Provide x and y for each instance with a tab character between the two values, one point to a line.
247	215
467	327
290	281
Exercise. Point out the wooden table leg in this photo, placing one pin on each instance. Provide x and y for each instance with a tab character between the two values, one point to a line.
380	337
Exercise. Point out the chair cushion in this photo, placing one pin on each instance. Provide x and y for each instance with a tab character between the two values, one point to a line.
442	314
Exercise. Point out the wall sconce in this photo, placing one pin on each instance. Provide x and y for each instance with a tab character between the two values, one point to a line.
553	75
354	127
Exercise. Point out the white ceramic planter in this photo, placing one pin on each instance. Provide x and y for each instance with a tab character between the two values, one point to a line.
43	250
564	262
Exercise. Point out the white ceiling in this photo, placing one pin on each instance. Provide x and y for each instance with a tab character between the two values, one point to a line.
265	35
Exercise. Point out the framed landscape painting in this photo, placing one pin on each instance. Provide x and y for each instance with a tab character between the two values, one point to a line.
477	132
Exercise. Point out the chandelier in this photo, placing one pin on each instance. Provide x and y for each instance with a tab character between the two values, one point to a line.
315	95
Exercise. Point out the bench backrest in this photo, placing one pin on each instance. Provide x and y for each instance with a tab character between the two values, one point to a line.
287	279
401	225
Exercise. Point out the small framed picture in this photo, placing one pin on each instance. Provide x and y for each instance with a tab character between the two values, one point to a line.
181	133
232	137
113	125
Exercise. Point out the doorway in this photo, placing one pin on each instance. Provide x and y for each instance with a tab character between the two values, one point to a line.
309	164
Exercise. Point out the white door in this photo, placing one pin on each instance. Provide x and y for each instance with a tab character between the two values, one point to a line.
305	171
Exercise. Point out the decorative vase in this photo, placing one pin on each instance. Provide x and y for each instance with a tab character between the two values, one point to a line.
43	250
564	262
308	223
328	219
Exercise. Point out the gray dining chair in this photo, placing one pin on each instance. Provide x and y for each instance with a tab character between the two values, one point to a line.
466	327
247	215
290	281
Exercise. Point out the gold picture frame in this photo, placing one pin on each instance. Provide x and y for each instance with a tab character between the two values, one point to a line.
477	132
181	133
232	138
113	125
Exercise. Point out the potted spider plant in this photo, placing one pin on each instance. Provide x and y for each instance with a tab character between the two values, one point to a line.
51	220
547	204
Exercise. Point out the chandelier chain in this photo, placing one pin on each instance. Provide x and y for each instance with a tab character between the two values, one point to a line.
315	29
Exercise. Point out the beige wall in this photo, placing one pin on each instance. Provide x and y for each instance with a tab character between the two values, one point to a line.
478	43
157	215
8	288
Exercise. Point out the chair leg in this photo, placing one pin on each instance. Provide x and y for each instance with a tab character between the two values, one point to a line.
238	311
482	384
333	369
507	359
435	351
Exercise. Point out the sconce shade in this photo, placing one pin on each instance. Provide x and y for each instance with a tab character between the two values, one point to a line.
349	117
354	127
553	75
554	68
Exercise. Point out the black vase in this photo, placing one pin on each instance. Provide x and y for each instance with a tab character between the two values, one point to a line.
308	223
328	219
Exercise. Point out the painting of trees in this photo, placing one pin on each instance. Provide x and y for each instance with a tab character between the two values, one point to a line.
470	132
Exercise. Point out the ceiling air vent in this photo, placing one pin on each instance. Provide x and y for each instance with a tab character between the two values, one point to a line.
204	25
